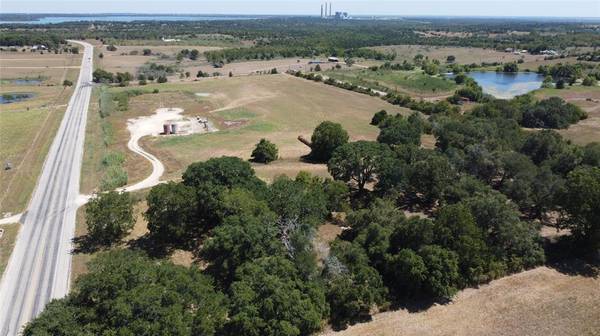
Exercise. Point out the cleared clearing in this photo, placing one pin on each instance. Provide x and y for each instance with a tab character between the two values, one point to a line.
540	302
246	109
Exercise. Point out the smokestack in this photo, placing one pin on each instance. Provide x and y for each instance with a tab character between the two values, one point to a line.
321	11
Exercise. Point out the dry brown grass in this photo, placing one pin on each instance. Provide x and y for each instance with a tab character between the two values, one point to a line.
540	302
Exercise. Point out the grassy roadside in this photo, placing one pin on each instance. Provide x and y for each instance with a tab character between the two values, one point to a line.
7	243
27	130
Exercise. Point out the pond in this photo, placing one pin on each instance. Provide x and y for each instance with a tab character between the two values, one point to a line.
507	85
26	81
7	98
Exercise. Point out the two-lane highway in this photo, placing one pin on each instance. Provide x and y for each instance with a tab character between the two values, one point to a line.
40	265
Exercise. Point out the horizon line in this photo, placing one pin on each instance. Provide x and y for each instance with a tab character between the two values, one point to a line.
301	15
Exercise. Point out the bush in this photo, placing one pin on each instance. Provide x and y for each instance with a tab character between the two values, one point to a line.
265	152
67	82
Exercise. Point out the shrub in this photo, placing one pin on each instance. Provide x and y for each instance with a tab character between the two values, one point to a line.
265	152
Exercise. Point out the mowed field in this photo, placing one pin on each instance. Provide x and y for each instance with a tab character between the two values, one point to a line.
245	109
588	98
27	127
538	302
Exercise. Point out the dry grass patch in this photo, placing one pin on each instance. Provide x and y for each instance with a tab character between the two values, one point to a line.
540	302
7	243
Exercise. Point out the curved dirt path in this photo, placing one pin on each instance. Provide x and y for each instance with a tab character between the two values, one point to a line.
158	168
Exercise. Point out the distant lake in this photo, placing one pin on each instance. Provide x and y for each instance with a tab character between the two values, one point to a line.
507	85
130	18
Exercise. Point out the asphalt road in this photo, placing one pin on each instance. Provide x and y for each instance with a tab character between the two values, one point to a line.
40	265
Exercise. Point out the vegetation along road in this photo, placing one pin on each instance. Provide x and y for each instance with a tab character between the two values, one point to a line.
39	268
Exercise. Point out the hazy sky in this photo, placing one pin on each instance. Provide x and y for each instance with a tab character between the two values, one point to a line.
559	8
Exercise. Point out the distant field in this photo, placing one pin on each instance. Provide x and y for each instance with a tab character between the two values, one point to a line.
122	60
7	242
277	107
538	302
413	82
52	68
588	98
464	55
27	129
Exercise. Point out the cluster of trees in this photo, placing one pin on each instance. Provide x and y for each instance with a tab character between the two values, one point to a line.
186	53
552	112
569	72
471	90
103	76
21	38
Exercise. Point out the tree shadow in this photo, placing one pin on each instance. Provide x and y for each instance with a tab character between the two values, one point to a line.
567	256
85	244
153	247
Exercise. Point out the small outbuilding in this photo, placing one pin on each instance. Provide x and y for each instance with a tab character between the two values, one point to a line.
333	59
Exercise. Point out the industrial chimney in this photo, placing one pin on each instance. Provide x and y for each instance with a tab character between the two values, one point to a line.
321	11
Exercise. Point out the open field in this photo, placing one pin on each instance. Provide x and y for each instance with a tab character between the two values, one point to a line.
51	68
540	301
414	82
588	98
7	243
26	131
279	108
129	58
244	109
463	55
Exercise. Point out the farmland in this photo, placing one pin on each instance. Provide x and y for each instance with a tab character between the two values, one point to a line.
27	127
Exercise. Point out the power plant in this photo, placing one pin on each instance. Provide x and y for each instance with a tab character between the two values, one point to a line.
327	13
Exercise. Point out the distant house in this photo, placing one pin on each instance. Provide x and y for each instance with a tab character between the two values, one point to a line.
333	59
39	47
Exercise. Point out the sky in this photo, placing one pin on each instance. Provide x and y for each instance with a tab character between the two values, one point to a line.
544	8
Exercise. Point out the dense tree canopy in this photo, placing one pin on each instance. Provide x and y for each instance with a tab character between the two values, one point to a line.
109	217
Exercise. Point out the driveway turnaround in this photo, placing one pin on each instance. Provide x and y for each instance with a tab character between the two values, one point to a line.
40	265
